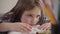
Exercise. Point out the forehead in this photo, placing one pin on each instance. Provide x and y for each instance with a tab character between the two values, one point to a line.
34	11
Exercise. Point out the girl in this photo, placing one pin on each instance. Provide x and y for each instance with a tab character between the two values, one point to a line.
25	15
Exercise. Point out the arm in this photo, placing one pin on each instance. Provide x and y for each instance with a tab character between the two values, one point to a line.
5	27
19	27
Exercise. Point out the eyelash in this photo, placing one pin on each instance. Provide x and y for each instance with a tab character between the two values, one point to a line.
30	15
36	17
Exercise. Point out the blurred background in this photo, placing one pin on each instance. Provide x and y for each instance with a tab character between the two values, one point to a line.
6	5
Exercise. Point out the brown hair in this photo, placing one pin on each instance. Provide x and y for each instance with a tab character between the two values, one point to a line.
20	7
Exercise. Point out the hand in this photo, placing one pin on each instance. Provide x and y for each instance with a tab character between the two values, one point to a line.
21	27
45	26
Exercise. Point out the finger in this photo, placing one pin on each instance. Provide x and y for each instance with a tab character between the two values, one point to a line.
24	30
42	27
26	27
46	26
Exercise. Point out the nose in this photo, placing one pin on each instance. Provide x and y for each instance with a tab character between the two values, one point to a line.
34	20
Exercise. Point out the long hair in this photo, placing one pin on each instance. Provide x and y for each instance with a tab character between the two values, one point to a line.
15	14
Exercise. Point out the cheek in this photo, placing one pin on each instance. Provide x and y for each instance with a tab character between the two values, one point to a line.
25	19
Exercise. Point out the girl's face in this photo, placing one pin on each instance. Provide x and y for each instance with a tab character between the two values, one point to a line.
31	16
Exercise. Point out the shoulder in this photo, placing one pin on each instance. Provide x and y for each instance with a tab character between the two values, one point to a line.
6	17
1	20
